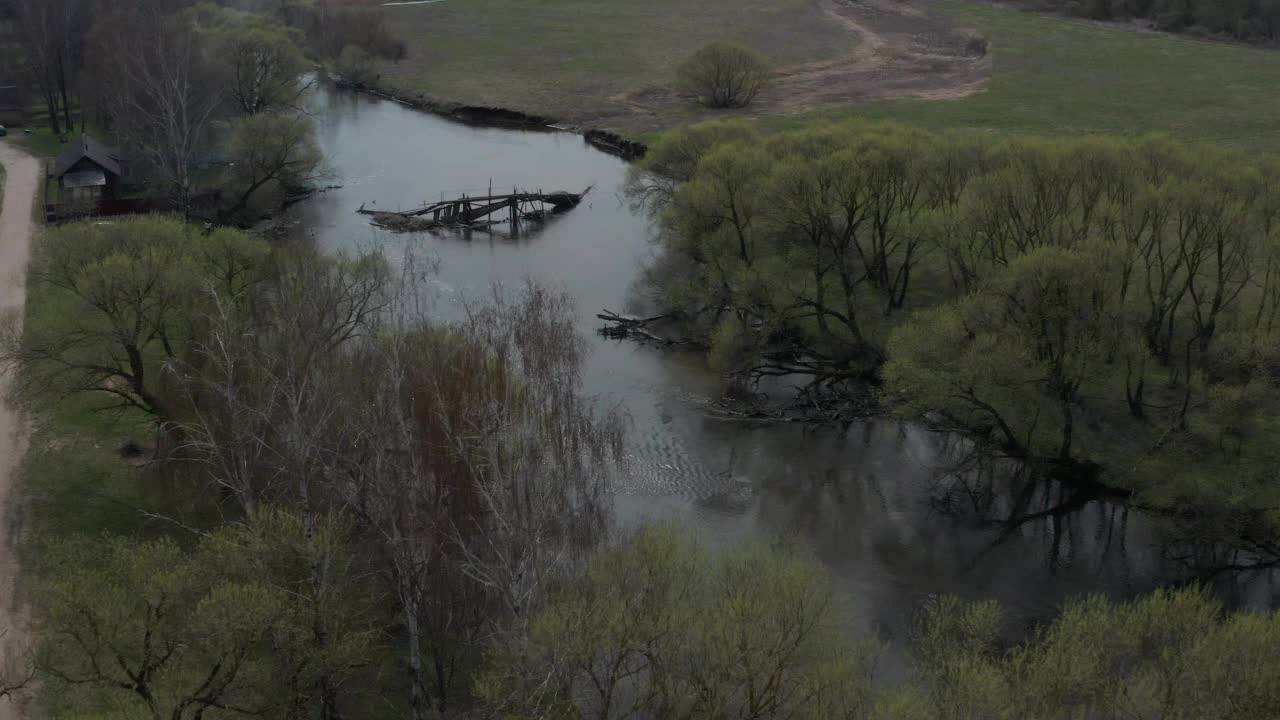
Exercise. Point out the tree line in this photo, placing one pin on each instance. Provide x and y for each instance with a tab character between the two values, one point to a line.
378	514
393	492
1103	307
185	87
1256	21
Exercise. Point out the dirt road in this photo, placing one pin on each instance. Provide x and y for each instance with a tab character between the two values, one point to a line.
22	173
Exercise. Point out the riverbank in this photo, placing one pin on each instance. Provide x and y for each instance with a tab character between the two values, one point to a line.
1043	74
498	117
611	65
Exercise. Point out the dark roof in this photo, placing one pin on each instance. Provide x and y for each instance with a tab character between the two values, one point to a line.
104	156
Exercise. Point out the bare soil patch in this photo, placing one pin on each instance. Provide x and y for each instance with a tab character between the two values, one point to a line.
611	64
902	50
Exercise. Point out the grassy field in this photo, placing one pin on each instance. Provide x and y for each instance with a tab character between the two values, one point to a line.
566	58
581	60
1053	75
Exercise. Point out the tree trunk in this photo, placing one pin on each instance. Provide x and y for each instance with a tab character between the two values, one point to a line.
62	85
419	700
51	104
1068	427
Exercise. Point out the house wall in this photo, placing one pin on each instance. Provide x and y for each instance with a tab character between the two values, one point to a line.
112	189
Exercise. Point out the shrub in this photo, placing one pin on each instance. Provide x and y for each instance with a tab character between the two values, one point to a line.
355	65
975	45
724	75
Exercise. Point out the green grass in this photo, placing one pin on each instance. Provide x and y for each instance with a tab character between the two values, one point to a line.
566	58
41	142
1053	76
575	59
75	480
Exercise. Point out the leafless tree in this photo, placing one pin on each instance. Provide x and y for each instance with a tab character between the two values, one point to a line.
153	81
52	33
476	468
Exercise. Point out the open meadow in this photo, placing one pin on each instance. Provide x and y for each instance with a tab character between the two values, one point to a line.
611	64
1055	75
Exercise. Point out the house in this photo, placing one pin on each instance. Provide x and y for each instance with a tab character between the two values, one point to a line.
88	173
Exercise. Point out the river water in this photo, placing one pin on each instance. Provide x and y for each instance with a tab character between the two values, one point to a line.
868	496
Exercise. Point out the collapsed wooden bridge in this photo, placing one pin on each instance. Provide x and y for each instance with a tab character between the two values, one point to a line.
477	213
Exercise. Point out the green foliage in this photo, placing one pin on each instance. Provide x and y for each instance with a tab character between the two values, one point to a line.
116	300
1171	654
355	65
659	625
262	59
272	149
1092	302
241	622
143	619
1240	19
1018	354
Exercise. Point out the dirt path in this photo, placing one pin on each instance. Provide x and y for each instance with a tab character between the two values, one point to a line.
903	50
21	177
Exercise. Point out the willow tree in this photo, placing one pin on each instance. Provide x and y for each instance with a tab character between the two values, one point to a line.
236	624
1019	358
789	255
657	625
117	302
263	61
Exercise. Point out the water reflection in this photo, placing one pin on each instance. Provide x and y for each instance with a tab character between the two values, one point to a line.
881	501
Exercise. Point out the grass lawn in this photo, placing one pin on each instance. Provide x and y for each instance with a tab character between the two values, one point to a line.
1053	75
566	58
41	141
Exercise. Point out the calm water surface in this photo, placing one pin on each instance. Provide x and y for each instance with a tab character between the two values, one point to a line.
867	496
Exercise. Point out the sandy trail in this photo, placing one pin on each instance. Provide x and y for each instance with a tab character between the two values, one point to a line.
22	174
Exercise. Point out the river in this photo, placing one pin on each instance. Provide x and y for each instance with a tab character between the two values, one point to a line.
867	496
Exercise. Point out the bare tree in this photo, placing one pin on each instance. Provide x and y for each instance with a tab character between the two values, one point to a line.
155	84
477	470
52	32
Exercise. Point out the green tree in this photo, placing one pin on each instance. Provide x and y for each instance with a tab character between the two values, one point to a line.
117	302
658	625
1170	654
144	620
270	148
264	63
355	65
1017	359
